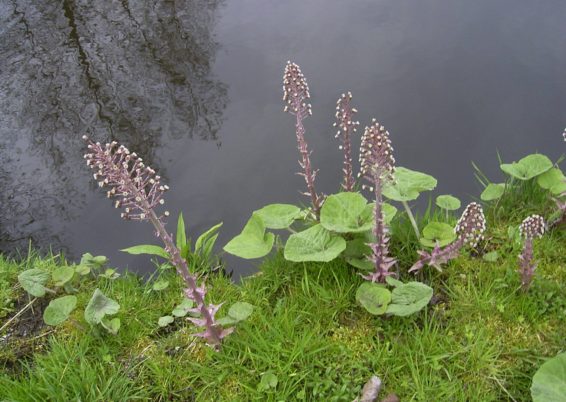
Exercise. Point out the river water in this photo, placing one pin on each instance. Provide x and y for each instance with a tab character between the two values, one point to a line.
194	87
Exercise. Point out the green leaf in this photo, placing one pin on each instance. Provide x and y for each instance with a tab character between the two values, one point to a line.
161	284
181	238
437	232
100	306
253	242
82	270
408	185
346	213
33	281
88	262
313	244
183	308
373	297
207	237
492	256
278	216
147	249
393	282
165	320
409	298
553	180
549	382
62	275
59	309
268	381
112	326
448	202
110	273
528	167
240	311
493	191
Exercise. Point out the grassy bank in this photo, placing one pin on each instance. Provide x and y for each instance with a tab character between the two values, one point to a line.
480	339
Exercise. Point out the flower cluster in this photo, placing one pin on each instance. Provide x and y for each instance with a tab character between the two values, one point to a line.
138	190
469	229
346	127
376	154
296	95
531	228
377	165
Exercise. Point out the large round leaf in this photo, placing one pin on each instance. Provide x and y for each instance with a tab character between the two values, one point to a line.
553	180
253	242
100	306
409	298
493	191
388	211
33	281
59	309
62	275
448	202
408	185
278	216
346	213
549	382
528	167
437	232
314	244
373	297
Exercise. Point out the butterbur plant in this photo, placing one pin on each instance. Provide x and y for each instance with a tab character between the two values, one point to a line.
531	228
469	231
296	96
376	166
138	190
346	128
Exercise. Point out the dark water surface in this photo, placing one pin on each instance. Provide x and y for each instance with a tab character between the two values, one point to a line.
195	88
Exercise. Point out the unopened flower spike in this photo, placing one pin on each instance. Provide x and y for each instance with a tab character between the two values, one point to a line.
377	166
296	96
531	228
346	124
469	231
138	190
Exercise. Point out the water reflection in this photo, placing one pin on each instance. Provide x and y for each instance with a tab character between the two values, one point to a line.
135	71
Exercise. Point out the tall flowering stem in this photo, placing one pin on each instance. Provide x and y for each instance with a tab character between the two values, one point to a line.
531	228
138	190
469	231
296	96
377	166
346	127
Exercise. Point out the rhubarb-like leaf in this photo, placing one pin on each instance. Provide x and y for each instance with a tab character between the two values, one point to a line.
278	216
437	232
549	382
493	191
528	167
448	202
346	213
314	244
408	185
100	306
183	308
59	309
409	298
553	180
253	242
111	325
373	297
62	275
165	320
33	281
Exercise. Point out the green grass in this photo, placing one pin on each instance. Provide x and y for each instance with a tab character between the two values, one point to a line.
481	340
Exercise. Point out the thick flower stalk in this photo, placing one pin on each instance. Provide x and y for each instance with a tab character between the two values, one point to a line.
138	190
346	128
296	96
377	166
531	228
469	231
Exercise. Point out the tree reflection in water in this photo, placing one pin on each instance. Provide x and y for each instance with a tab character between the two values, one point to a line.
136	72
